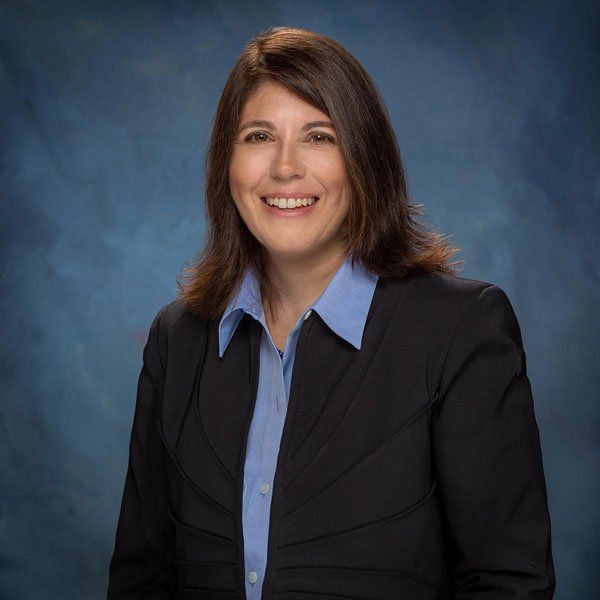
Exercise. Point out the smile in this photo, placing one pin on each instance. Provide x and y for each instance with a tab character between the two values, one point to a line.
291	203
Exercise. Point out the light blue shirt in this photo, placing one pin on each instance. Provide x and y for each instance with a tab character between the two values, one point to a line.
343	306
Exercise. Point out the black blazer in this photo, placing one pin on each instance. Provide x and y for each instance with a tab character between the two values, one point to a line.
409	469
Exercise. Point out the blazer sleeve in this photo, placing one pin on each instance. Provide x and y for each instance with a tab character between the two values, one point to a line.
139	568
488	461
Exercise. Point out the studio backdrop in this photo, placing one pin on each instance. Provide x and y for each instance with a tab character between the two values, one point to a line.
105	113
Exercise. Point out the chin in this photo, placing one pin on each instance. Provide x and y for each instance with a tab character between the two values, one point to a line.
288	252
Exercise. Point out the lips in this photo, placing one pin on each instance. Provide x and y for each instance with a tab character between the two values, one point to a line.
294	195
315	198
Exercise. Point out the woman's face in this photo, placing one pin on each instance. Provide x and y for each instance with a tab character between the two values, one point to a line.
289	154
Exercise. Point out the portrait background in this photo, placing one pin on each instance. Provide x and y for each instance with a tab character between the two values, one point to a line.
105	113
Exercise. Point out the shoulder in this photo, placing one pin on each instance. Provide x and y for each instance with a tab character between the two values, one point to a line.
176	314
175	327
449	294
440	304
477	312
462	322
445	288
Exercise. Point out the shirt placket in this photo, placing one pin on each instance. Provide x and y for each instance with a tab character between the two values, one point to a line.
261	501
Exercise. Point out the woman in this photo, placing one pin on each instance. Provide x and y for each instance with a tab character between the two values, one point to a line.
327	410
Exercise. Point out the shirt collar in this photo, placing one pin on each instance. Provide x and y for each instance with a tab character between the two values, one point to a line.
343	304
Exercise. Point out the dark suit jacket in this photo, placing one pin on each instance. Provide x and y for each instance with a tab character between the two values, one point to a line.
409	469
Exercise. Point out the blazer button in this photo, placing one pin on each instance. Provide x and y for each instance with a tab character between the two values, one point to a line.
252	576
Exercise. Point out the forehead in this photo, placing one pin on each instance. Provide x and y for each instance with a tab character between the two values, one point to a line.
273	100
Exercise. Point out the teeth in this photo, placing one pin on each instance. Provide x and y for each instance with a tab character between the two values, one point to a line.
290	202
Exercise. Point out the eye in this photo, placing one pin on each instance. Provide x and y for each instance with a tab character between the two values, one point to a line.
249	137
327	138
323	138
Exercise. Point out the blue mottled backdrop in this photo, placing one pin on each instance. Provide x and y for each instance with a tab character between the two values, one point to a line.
105	111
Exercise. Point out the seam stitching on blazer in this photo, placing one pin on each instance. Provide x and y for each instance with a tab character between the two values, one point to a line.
453	338
357	530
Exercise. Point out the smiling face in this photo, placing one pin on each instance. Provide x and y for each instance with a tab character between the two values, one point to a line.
289	154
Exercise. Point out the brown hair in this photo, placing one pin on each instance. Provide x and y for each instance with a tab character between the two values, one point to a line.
380	230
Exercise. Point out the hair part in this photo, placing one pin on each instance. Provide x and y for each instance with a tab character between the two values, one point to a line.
381	229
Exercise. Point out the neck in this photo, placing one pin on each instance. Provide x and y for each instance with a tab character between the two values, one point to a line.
301	280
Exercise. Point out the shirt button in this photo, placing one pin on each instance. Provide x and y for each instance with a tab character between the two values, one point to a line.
264	488
307	314
252	577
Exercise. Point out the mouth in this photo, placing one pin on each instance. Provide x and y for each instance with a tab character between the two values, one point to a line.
290	204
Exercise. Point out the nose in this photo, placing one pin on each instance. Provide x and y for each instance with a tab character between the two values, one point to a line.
286	160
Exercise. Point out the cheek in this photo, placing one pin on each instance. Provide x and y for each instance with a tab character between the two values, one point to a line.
238	174
330	171
246	168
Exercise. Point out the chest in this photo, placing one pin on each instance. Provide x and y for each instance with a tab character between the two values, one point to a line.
353	463
279	335
354	454
279	331
357	421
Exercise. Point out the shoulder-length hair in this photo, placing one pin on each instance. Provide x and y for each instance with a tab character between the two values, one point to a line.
380	230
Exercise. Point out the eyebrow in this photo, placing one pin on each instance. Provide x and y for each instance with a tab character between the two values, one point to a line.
270	125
